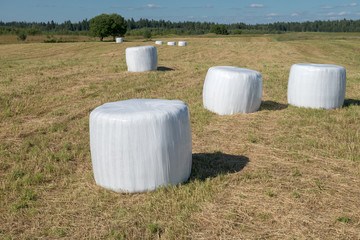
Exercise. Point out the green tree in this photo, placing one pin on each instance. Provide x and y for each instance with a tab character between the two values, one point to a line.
117	25
219	29
21	36
108	25
99	26
147	34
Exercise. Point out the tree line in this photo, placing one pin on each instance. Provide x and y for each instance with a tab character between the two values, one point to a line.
34	28
162	27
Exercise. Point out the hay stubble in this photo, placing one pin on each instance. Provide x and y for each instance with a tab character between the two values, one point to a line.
279	173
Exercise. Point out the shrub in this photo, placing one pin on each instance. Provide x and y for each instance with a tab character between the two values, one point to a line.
21	36
219	29
147	34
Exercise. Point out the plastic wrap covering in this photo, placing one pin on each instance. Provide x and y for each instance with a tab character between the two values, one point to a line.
141	59
159	42
119	40
140	144
171	43
182	43
316	85
228	90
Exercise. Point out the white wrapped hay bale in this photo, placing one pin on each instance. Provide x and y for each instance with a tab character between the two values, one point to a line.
228	90
316	85
182	43
141	59
159	42
171	43
140	144
119	40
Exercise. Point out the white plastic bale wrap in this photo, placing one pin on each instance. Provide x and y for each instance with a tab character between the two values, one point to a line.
228	90
141	59
171	43
119	40
140	144
316	85
182	43
159	42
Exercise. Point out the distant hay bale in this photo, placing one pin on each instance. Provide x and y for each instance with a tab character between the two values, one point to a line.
171	43
228	90
141	59
316	85
182	43
139	145
159	42
119	40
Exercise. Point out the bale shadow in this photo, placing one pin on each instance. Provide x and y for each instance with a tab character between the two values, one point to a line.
350	101
164	69
210	165
273	106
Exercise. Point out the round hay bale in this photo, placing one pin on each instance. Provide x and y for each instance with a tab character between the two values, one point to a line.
119	40
182	43
138	145
316	85
141	59
171	43
159	42
228	90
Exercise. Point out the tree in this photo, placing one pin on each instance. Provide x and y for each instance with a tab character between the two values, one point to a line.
219	29
108	25
99	26
131	23
147	34
68	25
21	36
117	25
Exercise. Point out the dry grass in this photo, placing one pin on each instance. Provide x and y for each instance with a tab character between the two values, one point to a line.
280	173
11	39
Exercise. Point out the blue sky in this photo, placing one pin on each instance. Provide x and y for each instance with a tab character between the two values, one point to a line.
220	11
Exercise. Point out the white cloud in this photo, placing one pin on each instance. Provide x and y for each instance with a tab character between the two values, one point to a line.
150	5
272	14
208	6
327	7
343	13
201	7
350	5
338	14
256	5
294	14
340	6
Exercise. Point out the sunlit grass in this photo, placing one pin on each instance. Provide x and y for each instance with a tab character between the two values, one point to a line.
282	171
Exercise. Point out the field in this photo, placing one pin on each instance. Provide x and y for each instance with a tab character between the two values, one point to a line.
279	173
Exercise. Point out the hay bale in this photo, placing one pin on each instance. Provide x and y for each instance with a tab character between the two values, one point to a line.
141	59
119	40
182	43
171	43
228	90
316	85
140	144
159	42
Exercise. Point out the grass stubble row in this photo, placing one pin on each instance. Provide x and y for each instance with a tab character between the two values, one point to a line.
282	172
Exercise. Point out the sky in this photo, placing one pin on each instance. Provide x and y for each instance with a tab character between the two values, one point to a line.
218	11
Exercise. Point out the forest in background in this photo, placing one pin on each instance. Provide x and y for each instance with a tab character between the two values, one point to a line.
162	27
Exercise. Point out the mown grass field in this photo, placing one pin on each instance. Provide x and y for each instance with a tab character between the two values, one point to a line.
280	173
